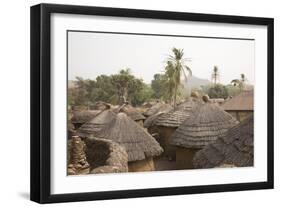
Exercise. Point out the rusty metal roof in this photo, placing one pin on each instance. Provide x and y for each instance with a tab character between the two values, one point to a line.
242	102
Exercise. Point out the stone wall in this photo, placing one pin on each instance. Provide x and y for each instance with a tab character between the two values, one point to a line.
106	156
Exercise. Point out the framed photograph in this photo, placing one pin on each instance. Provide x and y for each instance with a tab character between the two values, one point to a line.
132	103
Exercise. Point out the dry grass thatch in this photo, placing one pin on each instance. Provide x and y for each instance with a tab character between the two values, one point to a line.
158	107
150	121
89	129
81	117
242	102
236	148
132	112
100	105
138	143
206	123
174	118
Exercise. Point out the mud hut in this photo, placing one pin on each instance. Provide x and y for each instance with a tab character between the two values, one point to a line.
240	106
106	156
81	117
236	148
206	123
133	113
158	107
90	128
140	145
167	123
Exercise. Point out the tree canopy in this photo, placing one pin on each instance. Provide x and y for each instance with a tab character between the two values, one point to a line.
114	89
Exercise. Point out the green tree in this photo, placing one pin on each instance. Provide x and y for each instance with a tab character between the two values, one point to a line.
218	91
232	90
129	88
142	95
158	85
122	82
174	69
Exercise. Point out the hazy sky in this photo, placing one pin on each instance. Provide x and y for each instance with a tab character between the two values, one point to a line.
93	54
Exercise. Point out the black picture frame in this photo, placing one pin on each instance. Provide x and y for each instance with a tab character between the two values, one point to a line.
41	99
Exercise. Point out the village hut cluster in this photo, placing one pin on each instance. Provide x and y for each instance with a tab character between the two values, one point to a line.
197	133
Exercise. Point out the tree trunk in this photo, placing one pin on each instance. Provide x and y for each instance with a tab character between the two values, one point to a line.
175	96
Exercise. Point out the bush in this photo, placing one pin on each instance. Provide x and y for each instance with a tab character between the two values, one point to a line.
218	91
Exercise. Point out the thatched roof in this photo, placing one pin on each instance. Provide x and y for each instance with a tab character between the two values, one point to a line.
206	123
80	117
158	107
174	118
242	102
150	121
235	148
96	124
132	112
138	143
100	105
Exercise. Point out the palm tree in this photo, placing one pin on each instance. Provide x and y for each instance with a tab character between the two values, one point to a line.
215	75
175	69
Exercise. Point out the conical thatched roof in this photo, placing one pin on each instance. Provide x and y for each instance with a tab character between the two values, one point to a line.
242	102
235	148
80	117
206	123
132	112
174	118
100	105
158	107
138	143
150	121
89	129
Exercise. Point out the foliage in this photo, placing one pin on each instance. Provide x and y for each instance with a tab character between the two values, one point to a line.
232	90
114	89
218	91
159	86
174	69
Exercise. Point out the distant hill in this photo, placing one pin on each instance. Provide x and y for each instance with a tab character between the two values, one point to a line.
194	82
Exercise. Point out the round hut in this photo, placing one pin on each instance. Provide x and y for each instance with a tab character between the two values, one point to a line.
80	117
133	113
236	148
158	107
106	156
167	123
89	129
207	122
240	106
140	145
